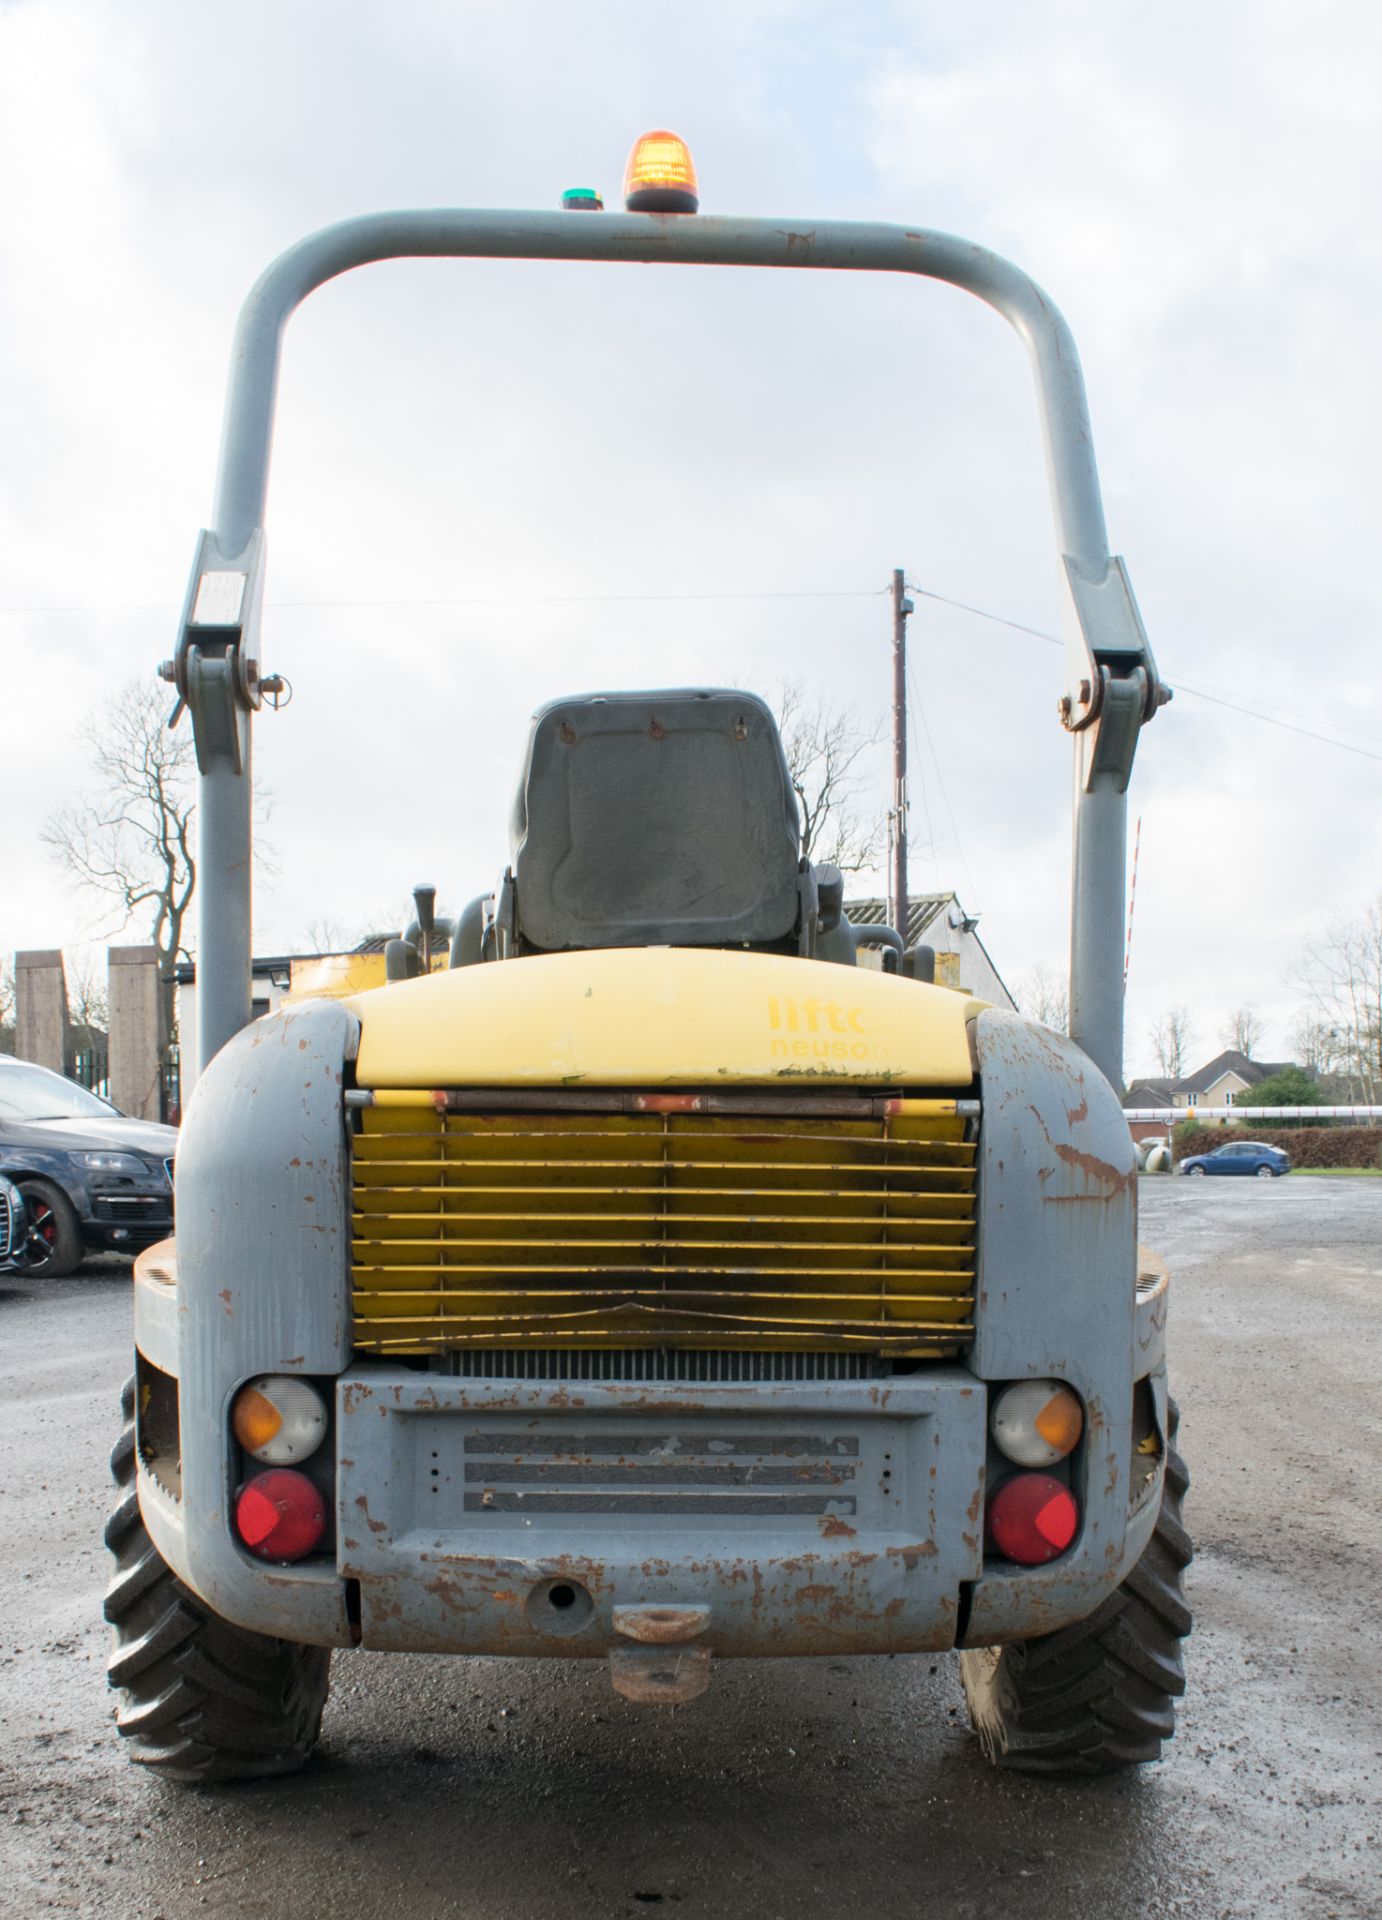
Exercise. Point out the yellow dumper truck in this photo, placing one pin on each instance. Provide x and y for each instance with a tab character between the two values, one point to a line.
651	1284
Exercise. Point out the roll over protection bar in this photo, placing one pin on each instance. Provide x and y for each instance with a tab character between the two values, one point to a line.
1111	685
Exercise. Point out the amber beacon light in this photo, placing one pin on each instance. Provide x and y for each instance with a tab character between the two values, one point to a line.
660	176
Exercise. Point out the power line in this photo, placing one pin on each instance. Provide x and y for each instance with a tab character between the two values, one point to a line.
1344	746
982	613
919	713
1271	711
653	599
488	600
925	795
1182	686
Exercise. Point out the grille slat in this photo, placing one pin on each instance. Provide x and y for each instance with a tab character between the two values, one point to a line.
641	1364
829	1235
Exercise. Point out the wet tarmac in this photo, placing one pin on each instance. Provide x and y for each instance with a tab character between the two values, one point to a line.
498	1791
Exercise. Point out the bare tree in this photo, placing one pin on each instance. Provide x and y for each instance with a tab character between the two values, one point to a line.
6	1006
824	744
1314	1045
1172	1037
1343	969
88	1002
129	841
1244	1031
1044	993
328	935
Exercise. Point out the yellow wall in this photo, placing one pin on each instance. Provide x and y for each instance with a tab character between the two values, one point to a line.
336	975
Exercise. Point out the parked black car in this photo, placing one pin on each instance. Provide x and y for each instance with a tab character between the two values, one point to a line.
1240	1156
14	1228
93	1180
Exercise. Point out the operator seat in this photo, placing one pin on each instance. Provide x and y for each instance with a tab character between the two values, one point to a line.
656	819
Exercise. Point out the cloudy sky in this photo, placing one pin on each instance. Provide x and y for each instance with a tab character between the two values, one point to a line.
494	482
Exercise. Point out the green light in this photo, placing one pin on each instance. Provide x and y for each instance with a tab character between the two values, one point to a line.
582	200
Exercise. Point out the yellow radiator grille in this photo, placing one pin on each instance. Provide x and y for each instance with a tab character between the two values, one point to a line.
647	1230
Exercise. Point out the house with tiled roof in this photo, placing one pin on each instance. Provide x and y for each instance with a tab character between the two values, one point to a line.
1223	1081
1220	1082
1150	1090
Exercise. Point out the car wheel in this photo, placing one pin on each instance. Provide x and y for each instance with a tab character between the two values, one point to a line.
55	1238
1264	1173
1195	1172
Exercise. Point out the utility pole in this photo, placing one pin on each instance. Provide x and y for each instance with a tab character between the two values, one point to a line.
902	606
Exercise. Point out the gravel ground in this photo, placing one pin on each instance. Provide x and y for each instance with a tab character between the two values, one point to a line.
496	1790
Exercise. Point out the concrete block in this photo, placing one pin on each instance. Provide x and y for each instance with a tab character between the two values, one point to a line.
40	1007
136	1030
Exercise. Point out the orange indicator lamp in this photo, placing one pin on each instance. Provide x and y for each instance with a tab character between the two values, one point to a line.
1037	1422
660	176
279	1419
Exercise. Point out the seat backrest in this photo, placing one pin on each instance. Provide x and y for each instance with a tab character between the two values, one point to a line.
650	819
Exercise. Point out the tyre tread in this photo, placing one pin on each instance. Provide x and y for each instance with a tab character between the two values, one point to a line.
201	1700
1100	1694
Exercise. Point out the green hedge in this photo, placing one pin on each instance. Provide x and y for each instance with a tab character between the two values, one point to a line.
1307	1146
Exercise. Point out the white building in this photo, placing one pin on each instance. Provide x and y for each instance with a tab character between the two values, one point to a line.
938	920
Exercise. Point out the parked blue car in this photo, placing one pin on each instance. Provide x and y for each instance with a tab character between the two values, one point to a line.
1240	1156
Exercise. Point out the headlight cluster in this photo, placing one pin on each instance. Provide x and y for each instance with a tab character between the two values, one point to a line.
125	1163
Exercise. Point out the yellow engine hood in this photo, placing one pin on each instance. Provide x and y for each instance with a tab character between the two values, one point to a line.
662	1017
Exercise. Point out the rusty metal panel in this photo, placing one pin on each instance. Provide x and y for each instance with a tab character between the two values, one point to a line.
1153	1300
664	1481
780	1519
632	1229
262	1284
1057	1298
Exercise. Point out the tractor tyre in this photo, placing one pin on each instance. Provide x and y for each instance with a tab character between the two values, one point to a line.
201	1700
1101	1694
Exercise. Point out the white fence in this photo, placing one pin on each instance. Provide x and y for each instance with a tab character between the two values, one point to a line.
1176	1114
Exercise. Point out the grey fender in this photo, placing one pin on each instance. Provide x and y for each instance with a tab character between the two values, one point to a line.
263	1242
1056	1295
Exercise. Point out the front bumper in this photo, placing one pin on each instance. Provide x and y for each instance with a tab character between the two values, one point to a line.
122	1213
127	1223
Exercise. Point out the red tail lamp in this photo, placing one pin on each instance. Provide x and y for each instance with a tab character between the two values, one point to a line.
280	1515
1032	1519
